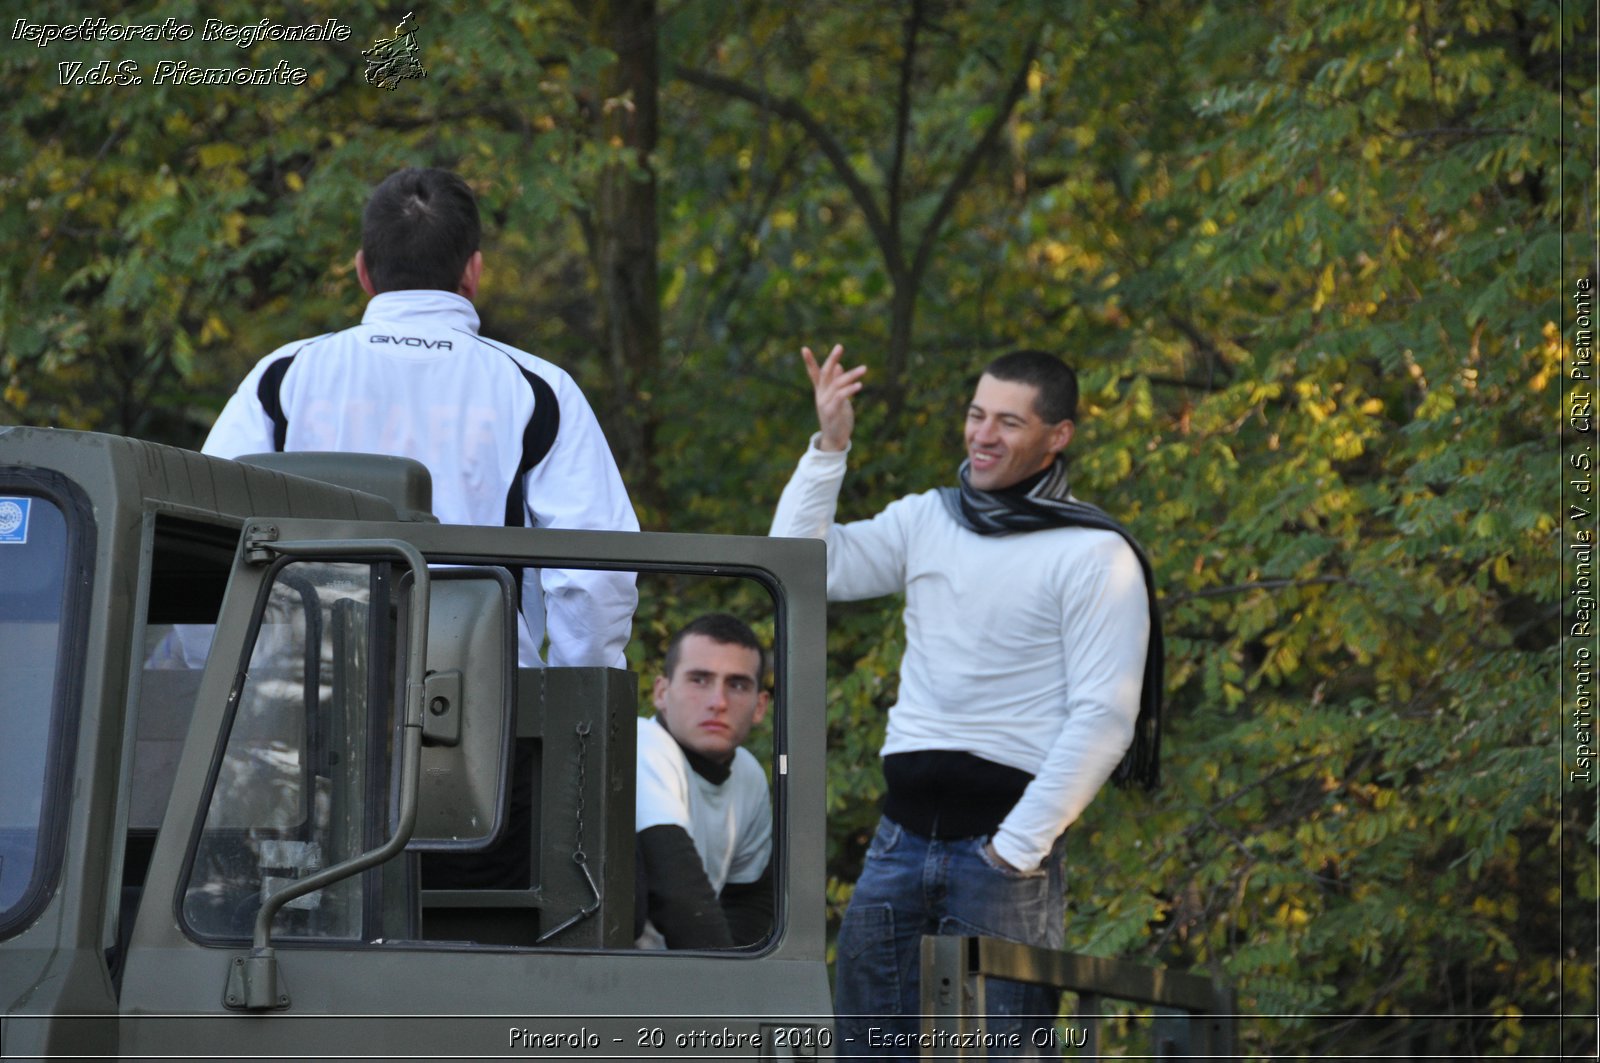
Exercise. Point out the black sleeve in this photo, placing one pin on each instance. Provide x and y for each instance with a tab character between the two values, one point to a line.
679	898
749	907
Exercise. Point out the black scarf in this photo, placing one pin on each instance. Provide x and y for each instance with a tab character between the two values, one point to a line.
1048	504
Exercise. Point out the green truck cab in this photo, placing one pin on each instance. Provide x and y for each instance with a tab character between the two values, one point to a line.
272	782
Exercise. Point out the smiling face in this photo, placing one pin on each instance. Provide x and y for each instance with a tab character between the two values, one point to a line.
1007	440
713	697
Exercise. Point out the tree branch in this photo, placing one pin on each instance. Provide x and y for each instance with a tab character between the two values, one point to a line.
1256	585
902	116
1203	344
888	240
715	308
1172	382
1459	131
969	165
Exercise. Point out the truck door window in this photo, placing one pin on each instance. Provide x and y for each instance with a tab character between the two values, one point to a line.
37	629
576	801
715	773
188	575
309	770
298	787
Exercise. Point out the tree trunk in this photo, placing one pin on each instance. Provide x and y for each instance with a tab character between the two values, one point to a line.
902	313
626	237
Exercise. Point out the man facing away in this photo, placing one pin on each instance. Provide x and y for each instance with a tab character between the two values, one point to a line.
1030	634
703	817
508	438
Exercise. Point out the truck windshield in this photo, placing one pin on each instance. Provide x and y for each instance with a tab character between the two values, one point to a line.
33	601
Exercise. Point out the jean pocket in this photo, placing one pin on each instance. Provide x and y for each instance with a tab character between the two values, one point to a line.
885	838
868	970
981	845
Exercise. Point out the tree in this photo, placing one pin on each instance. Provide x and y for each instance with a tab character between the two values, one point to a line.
919	148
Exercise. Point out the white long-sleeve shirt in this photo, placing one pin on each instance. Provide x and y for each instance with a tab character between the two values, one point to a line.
1026	649
507	437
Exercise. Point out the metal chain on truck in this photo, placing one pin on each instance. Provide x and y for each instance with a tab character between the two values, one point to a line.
579	857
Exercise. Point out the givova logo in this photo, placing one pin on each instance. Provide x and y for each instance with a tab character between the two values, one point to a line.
412	341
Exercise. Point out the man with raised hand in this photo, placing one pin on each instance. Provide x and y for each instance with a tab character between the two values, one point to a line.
1032	665
507	437
704	820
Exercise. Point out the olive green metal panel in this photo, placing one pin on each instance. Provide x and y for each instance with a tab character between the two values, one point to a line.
1194	1015
951	1011
575	739
403	481
1093	974
123	476
60	967
563	976
586	791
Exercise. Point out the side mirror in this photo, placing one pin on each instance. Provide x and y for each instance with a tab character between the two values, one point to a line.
452	775
468	710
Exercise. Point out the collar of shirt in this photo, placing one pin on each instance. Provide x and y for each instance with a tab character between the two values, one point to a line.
711	771
424	305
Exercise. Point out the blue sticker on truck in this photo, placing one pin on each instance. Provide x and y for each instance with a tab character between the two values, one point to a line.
14	520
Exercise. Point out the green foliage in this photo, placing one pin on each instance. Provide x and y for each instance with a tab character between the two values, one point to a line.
160	238
1308	263
1307	258
1364	605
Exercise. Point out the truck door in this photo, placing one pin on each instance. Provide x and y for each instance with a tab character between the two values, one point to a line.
351	865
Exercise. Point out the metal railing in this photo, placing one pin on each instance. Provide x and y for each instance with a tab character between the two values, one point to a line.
1193	1014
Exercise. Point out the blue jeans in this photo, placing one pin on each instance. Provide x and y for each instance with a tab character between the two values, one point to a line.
913	886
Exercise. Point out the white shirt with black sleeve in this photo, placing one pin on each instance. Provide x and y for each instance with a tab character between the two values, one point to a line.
507	437
729	822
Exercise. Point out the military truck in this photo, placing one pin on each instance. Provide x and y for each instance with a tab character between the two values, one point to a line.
273	784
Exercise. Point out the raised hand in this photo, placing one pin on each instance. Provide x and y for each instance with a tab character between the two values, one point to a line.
833	385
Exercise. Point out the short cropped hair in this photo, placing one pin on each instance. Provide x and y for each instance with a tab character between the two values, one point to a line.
1053	379
718	627
419	230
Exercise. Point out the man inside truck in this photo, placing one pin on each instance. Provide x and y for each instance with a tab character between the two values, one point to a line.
508	438
704	820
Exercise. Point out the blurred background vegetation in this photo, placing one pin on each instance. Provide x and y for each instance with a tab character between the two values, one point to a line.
1312	261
